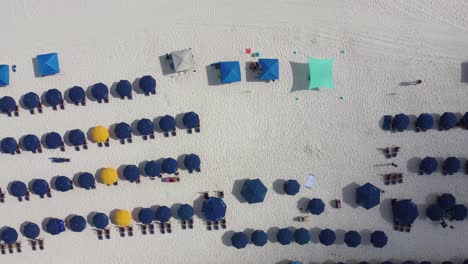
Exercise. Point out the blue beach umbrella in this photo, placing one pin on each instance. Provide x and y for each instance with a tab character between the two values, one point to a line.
100	220
53	97
435	212
146	216
291	187
259	238
7	105
147	84
100	92
48	64
458	212
378	239
77	95
55	226
270	69
191	120
31	143
448	121
123	130
284	236
185	212
124	88
163	214
400	122
428	165
405	212
31	230
9	235
63	183
230	71
192	162
327	237
424	122
167	123
352	239
18	189
316	206
77	223
425	262
387	262
408	262
368	196
77	137
31	100
254	191
239	240
9	145
153	168
446	201
131	173
86	180
40	187
145	127
464	121
301	236
4	75
451	165
213	209
169	166
53	140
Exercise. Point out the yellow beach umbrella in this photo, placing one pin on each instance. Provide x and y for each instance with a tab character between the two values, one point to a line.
109	176
100	134
122	218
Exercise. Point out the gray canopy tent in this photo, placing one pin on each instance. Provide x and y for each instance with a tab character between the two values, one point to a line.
182	60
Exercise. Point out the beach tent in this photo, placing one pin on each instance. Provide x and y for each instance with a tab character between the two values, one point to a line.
100	92
191	120
109	176
7	105
145	216
31	230
213	209
446	201
163	214
31	143
352	239
145	127
55	226
458	212
122	218
378	239
31	100
18	189
100	220
123	130
230	71
76	137
124	88
53	140
192	162
239	240
185	212
316	206
428	165
400	122
405	212
451	165
9	235
320	73
77	223
86	180
284	236
169	166
368	196
100	134
148	84
53	97
464	121
291	187
153	169
253	191
9	145
424	122
77	95
270	69
327	237
182	60
435	212
301	236
40	187
4	75
448	121
131	173
63	184
259	238
47	64
167	123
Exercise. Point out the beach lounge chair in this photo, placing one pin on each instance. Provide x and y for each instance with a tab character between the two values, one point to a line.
2	196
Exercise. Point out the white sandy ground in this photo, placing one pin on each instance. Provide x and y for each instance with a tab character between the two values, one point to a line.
249	129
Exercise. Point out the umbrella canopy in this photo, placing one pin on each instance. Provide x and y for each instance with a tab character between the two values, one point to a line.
191	120
7	104
167	123
31	143
378	239
446	201
4	75
148	84
424	122
9	235
291	187
405	212
131	173
448	121
100	134
213	209
109	176
352	239
55	226
270	69
123	130
53	97
239	240
100	220
253	191
425	262
53	140
451	165
100	91
320	73
31	100
301	236
435	212
368	196
458	212
124	88
192	162
185	212
182	60
400	122
259	238
63	183
153	168
464	121
122	218
77	223
40	187
145	127
9	145
284	236
146	216
77	95
31	230
18	189
230	71
86	180
47	64
408	262
163	214
76	137
316	206
428	165
169	166
327	237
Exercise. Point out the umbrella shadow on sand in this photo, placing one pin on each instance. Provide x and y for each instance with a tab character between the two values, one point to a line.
349	194
300	72
385	209
464	72
236	190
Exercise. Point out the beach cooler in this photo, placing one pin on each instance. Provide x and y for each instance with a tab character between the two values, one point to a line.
387	122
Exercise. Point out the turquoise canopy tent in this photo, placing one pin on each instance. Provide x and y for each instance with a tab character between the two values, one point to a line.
320	73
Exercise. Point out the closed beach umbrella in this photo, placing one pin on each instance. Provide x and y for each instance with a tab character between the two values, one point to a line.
63	183
352	239
192	162
148	84
86	180
301	236
31	230
448	121
153	168
214	209
464	121
77	95
167	123
18	189
185	212
40	187
9	235
259	238
123	130
239	240
100	134
327	237
368	196
291	187
9	145
253	191
446	201
191	120
316	206
100	220
163	214
124	88
31	100
428	165
400	122
145	127
131	173
109	176
284	236
55	226
378	239
100	92
451	165
405	212
53	97
169	166
424	122
77	223
458	212
122	218
146	216
53	140
435	212
76	137
7	105
31	143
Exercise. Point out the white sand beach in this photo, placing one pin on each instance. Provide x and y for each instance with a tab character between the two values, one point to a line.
250	129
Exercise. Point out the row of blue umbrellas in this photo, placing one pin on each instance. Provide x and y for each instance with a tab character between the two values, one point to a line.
450	165
77	137
446	206
425	121
254	191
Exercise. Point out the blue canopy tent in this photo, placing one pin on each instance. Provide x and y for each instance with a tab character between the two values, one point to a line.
185	212
148	84
145	127
405	212
124	89
169	166
327	237
100	220
86	180
301	236
77	95
77	223
378	239
446	201
167	123
284	236
48	64
316	206
424	122
230	71
146	216
7	105
464	121
239	240
428	165
270	69
253	191
31	230
100	92
31	100
4	75
31	143
153	169
53	140
259	238
131	173
448	121
451	165
291	187
40	187
9	235
163	214
368	196
55	226
192	162
9	145
123	131
63	184
458	212
352	239
435	212
18	189
213	209
53	97
77	137
191	120
400	122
